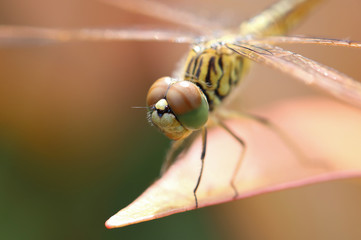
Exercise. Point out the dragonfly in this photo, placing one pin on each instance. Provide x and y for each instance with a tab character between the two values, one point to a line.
185	105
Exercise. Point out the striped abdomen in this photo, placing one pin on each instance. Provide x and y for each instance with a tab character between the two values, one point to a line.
215	70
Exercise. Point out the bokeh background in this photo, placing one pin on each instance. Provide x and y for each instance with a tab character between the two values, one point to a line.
73	151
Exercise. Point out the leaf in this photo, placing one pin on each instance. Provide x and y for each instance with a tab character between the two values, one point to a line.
327	132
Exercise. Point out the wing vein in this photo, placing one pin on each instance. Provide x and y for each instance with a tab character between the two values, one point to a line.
304	69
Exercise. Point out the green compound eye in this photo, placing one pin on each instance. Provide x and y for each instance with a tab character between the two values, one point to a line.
189	104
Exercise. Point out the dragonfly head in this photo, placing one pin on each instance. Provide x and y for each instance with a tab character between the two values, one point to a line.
177	107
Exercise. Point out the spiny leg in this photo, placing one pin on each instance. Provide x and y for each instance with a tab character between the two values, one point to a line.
177	148
240	159
286	139
171	155
204	146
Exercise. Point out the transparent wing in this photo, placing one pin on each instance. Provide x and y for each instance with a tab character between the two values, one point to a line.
164	12
306	40
38	35
304	69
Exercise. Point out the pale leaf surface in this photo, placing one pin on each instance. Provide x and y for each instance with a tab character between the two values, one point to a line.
327	132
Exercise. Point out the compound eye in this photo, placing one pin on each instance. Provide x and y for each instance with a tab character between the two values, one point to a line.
158	90
188	104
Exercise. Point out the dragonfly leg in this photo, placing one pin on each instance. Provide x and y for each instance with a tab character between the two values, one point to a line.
178	147
240	159
203	155
286	139
171	155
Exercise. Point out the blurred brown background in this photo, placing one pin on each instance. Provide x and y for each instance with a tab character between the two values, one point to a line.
73	151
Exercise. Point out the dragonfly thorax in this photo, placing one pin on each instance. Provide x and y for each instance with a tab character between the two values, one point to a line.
177	107
215	69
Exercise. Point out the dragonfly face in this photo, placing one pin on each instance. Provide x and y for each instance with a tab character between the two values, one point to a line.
177	107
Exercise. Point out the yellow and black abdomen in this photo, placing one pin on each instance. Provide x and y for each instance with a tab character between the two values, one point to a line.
215	70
